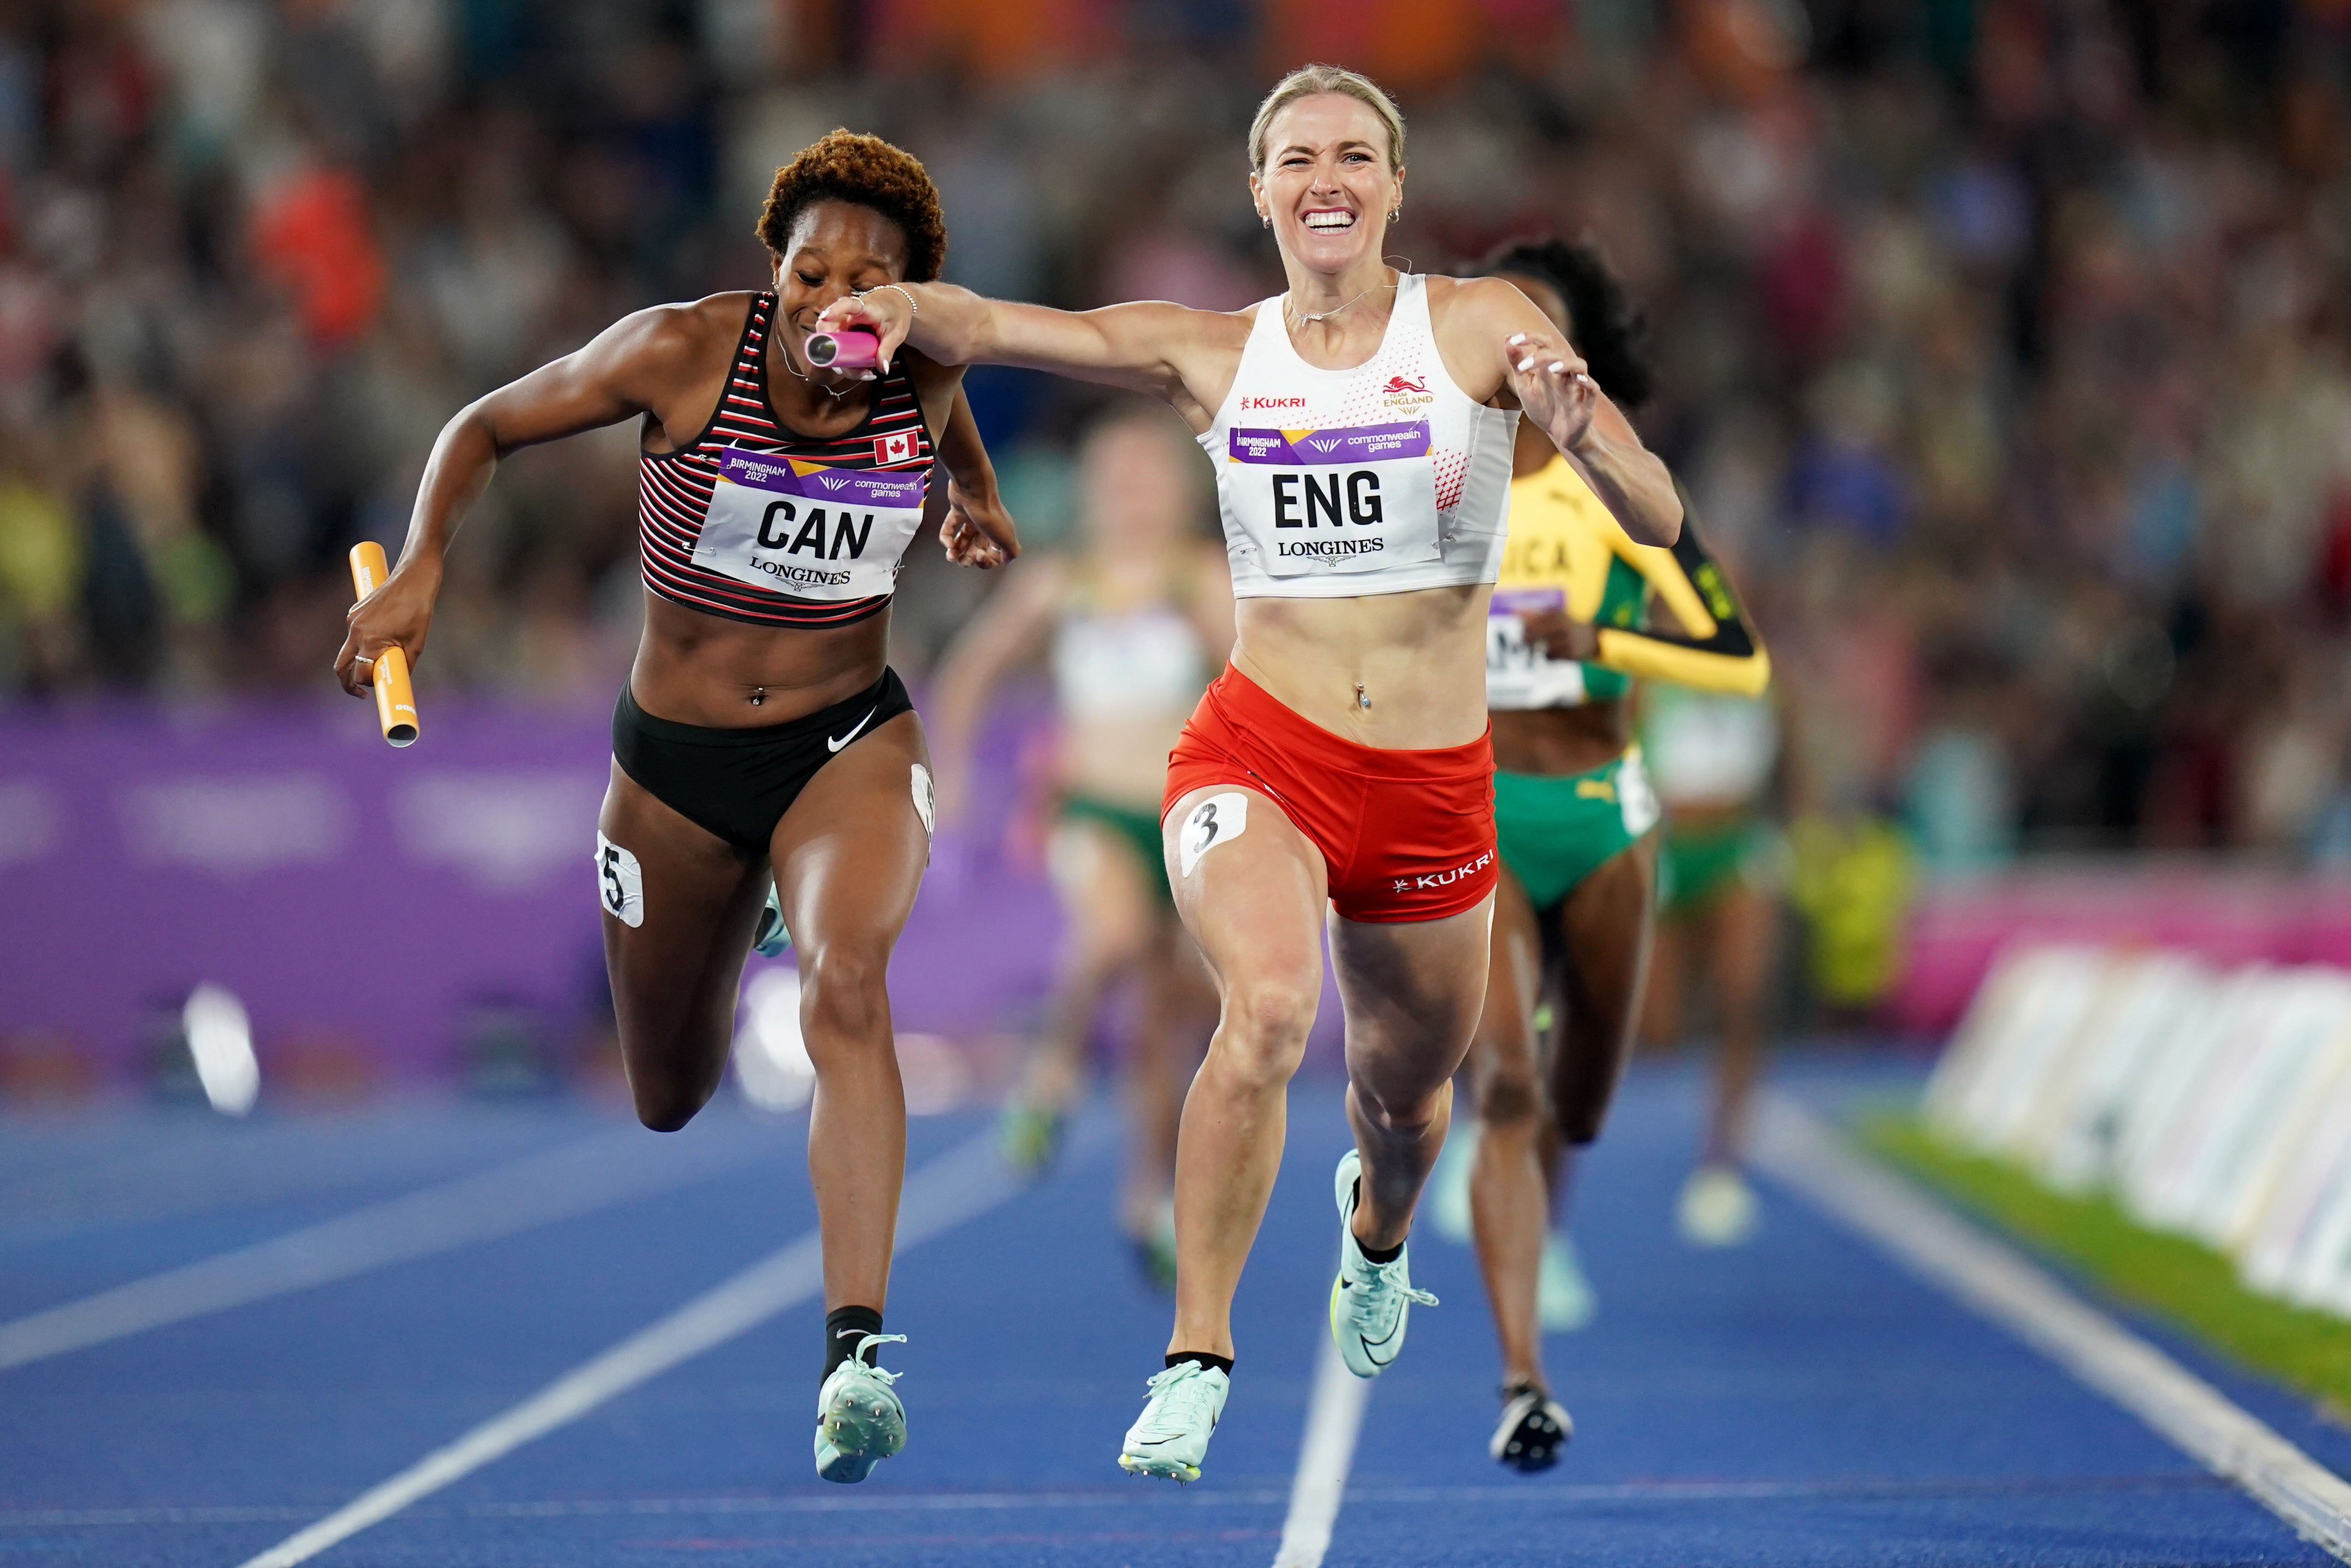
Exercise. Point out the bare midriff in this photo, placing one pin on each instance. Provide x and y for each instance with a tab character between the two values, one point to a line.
1417	659
1557	741
693	668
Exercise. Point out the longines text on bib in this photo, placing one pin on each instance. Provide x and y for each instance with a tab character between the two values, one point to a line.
807	530
1349	498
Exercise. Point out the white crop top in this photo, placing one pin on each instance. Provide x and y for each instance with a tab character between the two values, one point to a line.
1146	662
1380	479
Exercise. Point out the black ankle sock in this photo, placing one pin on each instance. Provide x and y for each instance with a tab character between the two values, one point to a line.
1380	1255
1223	1363
843	1326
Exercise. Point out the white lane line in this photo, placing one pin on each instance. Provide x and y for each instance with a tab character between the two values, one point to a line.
959	1186
190	1170
1334	1415
1999	1282
557	1184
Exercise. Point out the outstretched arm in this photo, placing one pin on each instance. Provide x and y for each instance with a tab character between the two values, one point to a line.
621	373
1171	351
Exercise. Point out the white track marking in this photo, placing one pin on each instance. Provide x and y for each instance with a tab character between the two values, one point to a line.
959	1186
223	1166
2001	1284
1334	1415
557	1184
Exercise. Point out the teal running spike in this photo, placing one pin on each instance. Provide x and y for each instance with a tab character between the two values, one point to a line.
859	1419
1171	1437
769	939
1368	1302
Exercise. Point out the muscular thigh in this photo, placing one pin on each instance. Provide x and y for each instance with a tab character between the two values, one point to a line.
1413	991
1250	887
849	854
1603	933
675	970
1504	1056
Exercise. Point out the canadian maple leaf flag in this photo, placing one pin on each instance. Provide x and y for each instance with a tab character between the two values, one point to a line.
897	448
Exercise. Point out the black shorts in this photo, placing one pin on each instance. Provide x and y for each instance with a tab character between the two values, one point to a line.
739	783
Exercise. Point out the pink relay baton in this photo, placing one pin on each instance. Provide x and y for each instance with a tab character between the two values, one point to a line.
850	348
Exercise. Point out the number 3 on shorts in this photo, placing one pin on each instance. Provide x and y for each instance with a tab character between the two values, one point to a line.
619	882
1215	820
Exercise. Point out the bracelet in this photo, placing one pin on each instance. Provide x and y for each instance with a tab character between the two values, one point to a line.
911	303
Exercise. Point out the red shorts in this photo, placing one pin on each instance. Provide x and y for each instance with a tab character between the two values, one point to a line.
1406	835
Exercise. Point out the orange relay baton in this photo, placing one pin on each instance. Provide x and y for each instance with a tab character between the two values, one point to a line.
395	704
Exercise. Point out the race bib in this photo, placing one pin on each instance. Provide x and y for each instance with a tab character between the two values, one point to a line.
1634	796
806	529
1520	675
619	882
1356	497
1219	820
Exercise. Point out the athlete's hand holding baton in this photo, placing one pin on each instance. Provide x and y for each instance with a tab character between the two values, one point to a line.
386	630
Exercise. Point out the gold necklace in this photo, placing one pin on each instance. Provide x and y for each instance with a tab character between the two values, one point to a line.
1326	315
835	396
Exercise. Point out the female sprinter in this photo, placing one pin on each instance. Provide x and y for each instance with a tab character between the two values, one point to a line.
1360	427
1572	811
1134	622
1713	757
761	727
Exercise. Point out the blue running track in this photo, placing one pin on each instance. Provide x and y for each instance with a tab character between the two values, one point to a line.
1799	1401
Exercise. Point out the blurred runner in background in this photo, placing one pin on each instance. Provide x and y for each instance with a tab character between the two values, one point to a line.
1711	757
1132	624
1572	811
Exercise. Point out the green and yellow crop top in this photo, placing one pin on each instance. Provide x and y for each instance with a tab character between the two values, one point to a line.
1566	551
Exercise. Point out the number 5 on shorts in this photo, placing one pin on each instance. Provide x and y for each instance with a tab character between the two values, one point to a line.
619	882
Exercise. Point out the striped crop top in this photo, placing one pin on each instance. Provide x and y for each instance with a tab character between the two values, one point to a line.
754	522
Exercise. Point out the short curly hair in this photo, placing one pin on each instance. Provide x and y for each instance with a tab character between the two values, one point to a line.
843	166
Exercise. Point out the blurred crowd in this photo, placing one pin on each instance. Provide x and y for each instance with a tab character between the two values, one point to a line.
2006	344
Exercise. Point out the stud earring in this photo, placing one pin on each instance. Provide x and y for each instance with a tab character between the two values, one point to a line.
1266	219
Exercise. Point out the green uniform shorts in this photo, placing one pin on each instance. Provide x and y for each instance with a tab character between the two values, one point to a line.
1140	829
1695	864
1557	830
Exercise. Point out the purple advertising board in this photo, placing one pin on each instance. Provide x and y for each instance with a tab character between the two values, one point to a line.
349	893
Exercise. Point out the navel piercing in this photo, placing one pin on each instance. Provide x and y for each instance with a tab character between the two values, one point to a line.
1360	700
760	694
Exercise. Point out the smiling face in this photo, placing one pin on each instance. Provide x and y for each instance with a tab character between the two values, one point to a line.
1326	183
835	248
